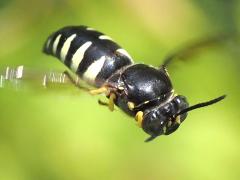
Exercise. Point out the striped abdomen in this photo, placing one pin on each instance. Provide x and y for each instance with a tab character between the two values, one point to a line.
90	54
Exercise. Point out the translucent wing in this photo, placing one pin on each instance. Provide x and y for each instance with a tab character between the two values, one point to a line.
21	77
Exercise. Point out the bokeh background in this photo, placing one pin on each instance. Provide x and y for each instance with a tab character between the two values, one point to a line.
63	134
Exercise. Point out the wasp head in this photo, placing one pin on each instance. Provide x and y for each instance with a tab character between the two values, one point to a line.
166	118
163	119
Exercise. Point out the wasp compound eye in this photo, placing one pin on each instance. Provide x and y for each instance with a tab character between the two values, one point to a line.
162	119
154	123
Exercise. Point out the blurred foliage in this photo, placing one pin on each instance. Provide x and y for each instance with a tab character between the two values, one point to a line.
63	133
221	13
3	3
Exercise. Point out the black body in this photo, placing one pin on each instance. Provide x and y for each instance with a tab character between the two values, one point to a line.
99	48
140	83
140	90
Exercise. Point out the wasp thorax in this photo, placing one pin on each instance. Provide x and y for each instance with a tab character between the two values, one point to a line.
162	119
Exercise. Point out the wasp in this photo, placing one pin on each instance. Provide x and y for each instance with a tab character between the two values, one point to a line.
140	90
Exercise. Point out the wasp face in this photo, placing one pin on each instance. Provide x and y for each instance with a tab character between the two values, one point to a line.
162	119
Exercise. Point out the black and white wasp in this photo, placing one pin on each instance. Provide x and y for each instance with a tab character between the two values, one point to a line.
140	90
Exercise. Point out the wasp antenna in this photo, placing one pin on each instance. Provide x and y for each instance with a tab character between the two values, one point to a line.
200	105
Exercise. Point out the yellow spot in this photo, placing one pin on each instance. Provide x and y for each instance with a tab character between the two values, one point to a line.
130	105
178	120
164	129
99	90
139	118
146	102
111	101
169	123
121	88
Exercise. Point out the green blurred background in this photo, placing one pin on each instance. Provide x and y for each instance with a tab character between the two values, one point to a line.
64	134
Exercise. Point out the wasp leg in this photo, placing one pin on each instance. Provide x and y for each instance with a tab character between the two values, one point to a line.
110	104
105	90
74	81
139	118
102	103
112	98
100	90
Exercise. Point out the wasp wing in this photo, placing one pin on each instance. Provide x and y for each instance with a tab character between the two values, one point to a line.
21	76
192	49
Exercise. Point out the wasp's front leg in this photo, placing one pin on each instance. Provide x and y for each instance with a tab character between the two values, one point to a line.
109	92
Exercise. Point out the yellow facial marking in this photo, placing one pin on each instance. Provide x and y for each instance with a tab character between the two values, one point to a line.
139	118
178	120
130	105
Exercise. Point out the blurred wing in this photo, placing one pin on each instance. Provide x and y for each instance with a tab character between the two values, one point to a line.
193	48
